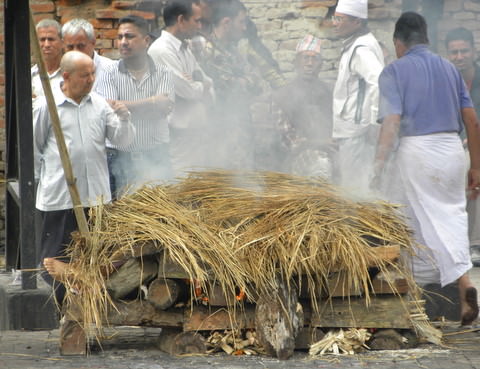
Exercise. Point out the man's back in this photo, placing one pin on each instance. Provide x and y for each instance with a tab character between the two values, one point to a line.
426	90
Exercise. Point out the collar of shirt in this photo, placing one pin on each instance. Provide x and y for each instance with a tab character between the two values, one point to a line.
175	41
123	68
417	49
61	98
35	70
351	39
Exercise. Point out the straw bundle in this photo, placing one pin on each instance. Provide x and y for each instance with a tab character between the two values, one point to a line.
240	229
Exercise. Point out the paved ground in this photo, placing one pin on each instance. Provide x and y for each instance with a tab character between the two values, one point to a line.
134	348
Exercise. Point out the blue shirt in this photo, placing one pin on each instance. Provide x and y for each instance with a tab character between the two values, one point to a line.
426	90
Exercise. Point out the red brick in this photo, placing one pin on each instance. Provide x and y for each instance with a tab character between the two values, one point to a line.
110	34
101	23
69	2
38	17
2	123
125	4
43	8
110	13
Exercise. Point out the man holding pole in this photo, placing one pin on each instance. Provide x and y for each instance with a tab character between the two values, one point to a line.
86	120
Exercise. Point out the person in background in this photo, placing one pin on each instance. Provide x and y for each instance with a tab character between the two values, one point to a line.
355	97
461	52
424	105
51	46
146	88
193	88
86	120
78	34
304	115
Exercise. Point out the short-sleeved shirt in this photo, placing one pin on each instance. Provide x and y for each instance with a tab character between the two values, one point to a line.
116	83
426	90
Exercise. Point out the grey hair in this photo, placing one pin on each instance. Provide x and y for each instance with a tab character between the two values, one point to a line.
69	60
74	26
45	23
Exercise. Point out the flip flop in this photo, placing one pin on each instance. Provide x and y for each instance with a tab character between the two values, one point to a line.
471	298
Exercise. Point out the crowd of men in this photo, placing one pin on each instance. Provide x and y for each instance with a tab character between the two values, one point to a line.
180	100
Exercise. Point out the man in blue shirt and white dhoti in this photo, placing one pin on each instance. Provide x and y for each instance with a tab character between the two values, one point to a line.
424	105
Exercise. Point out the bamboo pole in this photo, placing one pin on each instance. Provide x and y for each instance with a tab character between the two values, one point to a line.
57	129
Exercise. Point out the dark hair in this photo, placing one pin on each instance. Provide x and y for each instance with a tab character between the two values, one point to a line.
139	22
459	33
226	9
411	29
174	8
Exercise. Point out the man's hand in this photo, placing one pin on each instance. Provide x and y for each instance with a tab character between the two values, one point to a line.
120	109
473	183
163	103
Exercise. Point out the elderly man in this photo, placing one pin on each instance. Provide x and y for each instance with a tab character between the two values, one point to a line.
146	88
78	34
192	86
304	119
86	120
461	52
48	33
355	97
423	101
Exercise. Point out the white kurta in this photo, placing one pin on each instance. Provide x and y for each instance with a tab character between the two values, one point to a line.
429	178
354	122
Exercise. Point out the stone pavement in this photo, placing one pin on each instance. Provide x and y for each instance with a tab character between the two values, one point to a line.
135	348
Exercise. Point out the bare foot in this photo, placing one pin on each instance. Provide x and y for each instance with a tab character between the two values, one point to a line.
56	268
470	314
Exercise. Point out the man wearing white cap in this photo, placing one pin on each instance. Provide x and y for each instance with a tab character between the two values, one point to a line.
355	97
304	115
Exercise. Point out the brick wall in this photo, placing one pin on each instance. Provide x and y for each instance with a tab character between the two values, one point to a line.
281	23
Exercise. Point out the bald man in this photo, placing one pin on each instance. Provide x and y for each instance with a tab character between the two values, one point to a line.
86	120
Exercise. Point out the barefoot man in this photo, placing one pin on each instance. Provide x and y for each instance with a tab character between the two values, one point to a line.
86	120
424	104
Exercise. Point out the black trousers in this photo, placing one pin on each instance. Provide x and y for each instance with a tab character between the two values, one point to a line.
57	227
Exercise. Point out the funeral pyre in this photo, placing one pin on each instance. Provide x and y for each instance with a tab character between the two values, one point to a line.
239	231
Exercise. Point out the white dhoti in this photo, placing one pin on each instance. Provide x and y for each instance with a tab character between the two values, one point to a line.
429	174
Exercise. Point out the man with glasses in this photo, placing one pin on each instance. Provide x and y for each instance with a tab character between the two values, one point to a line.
355	97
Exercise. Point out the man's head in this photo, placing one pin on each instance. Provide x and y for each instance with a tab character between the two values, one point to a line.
78	74
410	30
183	18
461	48
78	34
350	16
230	19
308	60
48	32
133	38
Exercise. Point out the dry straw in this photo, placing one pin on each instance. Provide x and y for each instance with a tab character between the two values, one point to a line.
239	230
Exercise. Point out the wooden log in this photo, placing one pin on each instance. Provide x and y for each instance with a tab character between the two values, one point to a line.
164	293
381	287
383	312
130	276
278	319
73	340
205	319
169	269
307	336
176	342
143	313
388	254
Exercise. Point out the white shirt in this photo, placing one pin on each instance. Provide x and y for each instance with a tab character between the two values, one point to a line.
101	62
362	58
178	57
85	127
37	88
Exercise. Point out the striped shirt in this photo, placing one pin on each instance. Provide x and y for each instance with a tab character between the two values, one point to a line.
116	83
